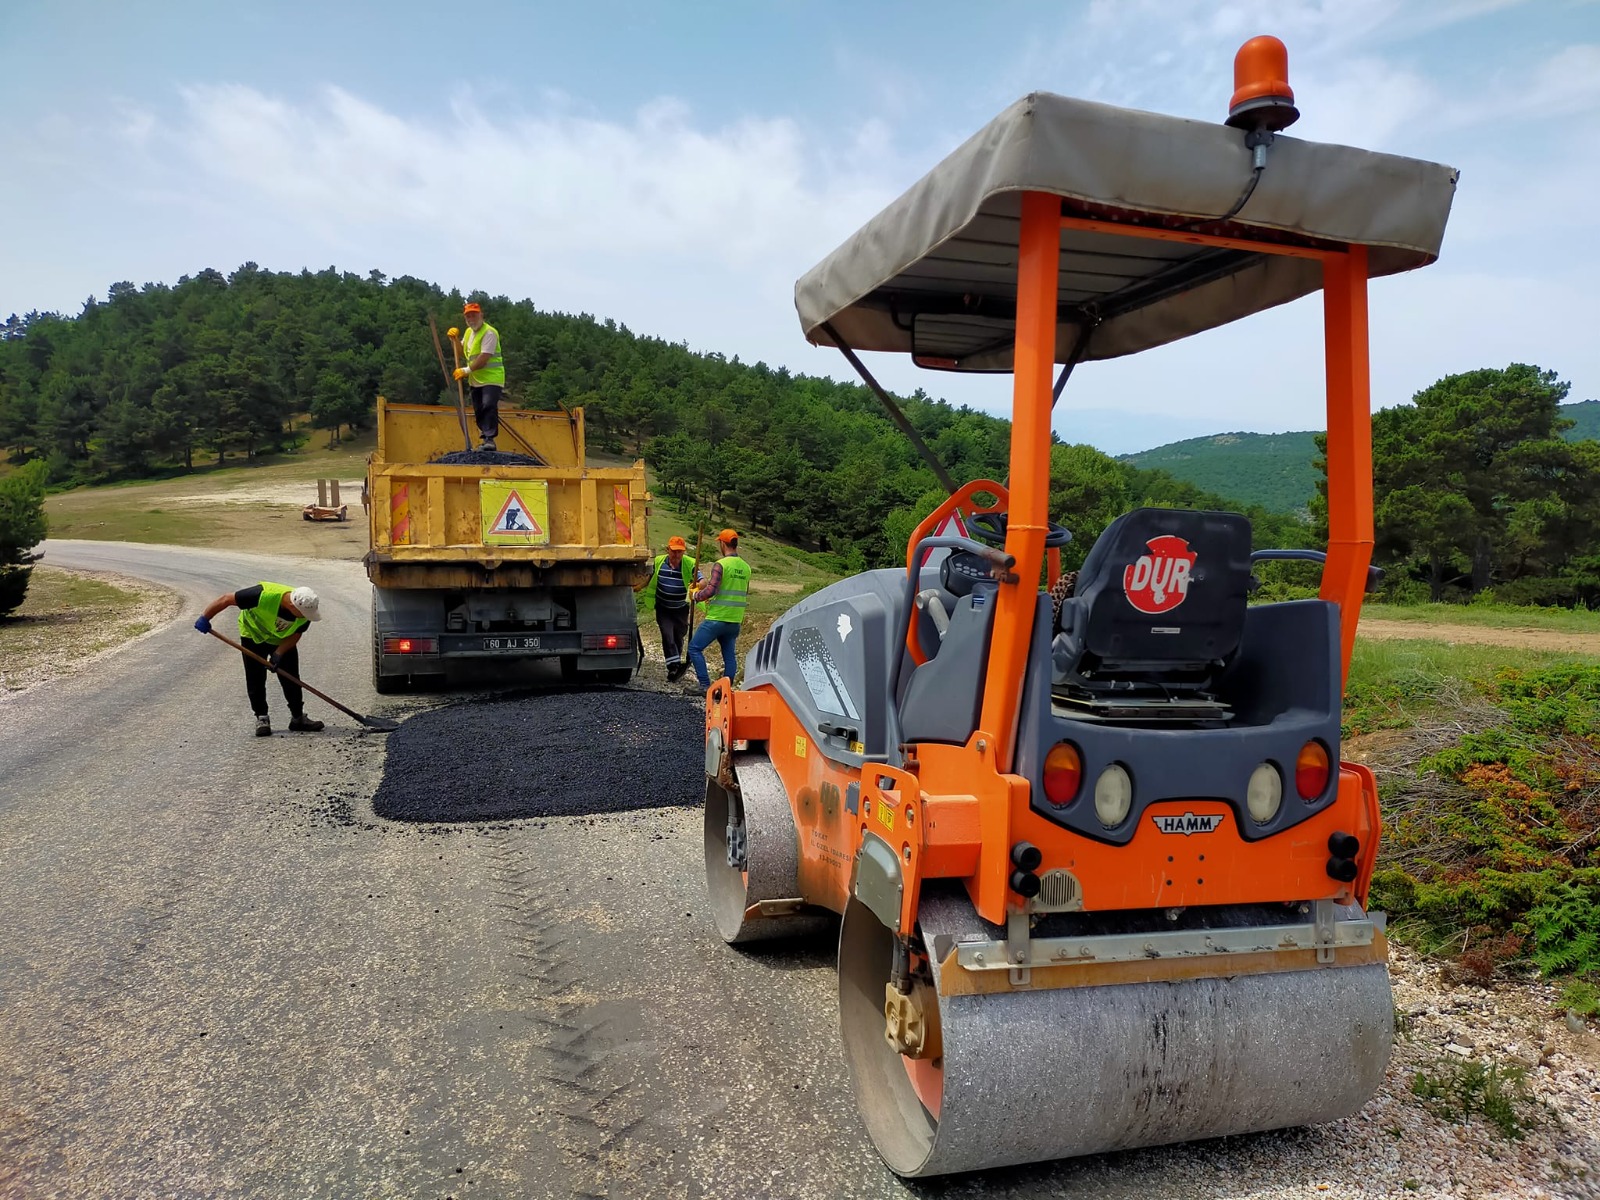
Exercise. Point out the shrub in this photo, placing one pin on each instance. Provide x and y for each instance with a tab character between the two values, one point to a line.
22	527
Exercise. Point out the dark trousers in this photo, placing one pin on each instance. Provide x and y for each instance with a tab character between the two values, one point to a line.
674	626
486	408
255	677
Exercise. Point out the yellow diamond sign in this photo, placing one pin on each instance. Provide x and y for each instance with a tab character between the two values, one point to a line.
515	512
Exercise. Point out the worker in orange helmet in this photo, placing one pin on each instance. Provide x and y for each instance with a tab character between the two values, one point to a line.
726	595
672	578
484	371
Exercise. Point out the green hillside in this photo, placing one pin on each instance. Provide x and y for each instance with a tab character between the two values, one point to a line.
1275	470
1270	469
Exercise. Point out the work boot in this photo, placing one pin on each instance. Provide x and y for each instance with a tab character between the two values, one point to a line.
487	444
300	723
263	725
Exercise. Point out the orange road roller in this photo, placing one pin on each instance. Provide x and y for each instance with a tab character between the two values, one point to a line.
1102	875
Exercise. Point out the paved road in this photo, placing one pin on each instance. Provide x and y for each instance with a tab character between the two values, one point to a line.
221	975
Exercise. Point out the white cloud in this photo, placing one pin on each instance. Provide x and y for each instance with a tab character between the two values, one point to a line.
694	228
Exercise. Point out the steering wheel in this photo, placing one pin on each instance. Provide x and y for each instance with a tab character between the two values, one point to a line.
990	528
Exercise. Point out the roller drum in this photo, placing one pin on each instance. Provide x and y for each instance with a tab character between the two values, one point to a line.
1038	1075
772	857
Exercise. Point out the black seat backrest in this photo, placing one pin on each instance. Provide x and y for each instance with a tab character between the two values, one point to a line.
1163	589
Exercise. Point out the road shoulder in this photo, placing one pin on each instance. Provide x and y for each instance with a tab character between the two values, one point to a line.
73	618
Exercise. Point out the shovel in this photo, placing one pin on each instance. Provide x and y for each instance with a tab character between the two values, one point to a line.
378	724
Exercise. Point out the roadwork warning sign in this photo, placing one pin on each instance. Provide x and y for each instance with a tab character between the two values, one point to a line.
516	512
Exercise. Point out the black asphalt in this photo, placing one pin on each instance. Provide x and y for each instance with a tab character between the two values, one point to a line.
487	458
545	754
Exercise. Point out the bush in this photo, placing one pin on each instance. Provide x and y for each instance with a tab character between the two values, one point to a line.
22	527
1501	860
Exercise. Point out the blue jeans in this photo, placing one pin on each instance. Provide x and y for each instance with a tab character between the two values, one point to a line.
724	632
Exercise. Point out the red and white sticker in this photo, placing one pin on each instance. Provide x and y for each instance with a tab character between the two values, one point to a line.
1159	581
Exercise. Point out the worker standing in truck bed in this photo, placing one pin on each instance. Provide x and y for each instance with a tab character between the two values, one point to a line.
484	371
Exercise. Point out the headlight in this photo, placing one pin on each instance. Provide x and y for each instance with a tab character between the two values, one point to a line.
1113	796
1264	796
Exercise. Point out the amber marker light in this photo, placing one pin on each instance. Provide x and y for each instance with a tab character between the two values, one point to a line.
1262	98
1311	770
1063	774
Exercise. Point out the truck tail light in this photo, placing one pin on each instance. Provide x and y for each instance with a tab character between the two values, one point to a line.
404	645
608	641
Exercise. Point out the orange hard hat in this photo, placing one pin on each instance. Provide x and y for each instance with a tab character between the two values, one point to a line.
471	308
677	543
728	535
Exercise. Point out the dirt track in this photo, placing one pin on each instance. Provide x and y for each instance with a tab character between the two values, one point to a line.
1552	640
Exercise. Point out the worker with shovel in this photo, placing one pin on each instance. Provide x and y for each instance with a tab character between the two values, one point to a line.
272	616
726	594
484	371
672	578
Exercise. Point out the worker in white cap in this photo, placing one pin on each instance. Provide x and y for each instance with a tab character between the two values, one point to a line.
272	616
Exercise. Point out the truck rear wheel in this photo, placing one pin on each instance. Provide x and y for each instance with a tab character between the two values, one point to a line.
384	685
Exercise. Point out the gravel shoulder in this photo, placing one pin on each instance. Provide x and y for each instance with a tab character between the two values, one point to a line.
73	619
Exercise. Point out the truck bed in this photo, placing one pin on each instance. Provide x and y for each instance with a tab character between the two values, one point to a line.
439	526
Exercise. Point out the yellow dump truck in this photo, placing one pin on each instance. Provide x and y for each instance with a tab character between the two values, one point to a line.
500	564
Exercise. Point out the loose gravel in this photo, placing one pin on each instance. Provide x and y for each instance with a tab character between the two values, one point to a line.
547	754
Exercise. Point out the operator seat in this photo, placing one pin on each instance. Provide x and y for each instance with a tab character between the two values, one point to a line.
1158	609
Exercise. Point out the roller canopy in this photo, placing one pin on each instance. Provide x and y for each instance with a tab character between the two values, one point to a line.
934	274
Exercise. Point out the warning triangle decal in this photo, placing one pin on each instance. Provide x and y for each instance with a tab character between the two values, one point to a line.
514	517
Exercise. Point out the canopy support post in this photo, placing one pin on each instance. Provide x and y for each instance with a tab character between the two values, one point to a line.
1038	268
1349	383
895	413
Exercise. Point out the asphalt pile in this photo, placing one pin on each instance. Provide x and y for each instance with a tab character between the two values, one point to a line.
547	754
488	458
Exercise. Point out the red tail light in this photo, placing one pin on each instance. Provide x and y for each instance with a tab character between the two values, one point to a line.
1063	773
1311	770
608	641
410	646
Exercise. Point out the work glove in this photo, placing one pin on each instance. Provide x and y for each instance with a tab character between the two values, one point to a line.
460	373
453	332
203	624
272	660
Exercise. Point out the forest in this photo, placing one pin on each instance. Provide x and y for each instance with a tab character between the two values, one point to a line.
162	378
1477	493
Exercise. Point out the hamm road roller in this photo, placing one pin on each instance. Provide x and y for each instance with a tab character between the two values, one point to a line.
1102	875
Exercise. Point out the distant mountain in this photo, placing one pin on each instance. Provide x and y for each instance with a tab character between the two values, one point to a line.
1270	469
1274	469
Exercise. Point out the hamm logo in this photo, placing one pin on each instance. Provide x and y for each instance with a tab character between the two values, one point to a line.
1159	581
1190	823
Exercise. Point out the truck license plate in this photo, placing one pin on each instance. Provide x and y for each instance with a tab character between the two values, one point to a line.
512	643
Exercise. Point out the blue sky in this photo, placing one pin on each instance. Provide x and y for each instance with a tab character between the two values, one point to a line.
677	166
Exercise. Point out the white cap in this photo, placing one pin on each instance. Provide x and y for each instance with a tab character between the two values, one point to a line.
305	600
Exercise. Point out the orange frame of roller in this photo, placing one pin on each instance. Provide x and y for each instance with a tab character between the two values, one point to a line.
963	808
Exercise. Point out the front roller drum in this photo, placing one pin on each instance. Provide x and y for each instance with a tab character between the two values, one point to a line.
753	858
1029	1076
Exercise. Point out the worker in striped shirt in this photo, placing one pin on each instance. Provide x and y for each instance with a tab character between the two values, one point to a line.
671	577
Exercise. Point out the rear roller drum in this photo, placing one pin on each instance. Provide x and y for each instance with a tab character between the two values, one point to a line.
1029	1076
753	858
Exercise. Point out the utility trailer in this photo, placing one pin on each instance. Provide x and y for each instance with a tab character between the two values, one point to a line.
500	564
